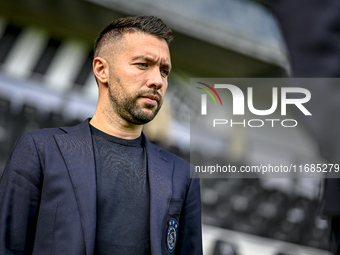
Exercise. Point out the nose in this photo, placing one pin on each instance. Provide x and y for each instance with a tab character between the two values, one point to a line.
156	79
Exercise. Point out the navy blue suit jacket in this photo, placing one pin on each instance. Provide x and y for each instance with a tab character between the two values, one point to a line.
48	196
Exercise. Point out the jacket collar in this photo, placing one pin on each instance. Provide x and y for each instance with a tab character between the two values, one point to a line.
77	150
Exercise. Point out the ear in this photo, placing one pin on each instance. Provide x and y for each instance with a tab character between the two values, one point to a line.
101	69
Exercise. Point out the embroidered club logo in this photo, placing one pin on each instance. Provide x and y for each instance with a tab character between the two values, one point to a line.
171	238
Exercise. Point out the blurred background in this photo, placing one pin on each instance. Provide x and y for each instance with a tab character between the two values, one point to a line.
46	80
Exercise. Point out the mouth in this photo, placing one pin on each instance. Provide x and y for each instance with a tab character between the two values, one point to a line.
151	99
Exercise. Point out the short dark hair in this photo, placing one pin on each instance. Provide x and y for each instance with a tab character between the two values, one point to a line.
145	24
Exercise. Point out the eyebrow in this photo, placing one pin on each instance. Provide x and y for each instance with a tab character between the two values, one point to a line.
150	59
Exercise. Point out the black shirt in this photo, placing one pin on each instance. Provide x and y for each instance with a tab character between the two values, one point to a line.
123	202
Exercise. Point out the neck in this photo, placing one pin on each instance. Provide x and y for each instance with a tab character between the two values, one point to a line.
115	126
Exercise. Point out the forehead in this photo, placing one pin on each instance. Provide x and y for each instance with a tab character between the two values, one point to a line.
141	44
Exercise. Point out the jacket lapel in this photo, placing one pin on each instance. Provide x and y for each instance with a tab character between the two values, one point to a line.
77	151
160	170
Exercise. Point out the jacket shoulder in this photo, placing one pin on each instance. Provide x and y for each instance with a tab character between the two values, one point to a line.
181	167
166	155
44	132
50	132
43	138
174	157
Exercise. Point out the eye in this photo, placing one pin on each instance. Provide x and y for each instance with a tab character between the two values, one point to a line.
165	72
142	65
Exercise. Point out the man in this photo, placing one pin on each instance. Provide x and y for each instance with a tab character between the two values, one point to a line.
101	187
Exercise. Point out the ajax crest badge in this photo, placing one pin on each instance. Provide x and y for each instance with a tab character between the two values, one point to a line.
171	237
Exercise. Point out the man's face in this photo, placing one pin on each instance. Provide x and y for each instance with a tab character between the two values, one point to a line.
138	77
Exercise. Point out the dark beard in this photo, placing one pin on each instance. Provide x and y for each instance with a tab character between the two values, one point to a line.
129	110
